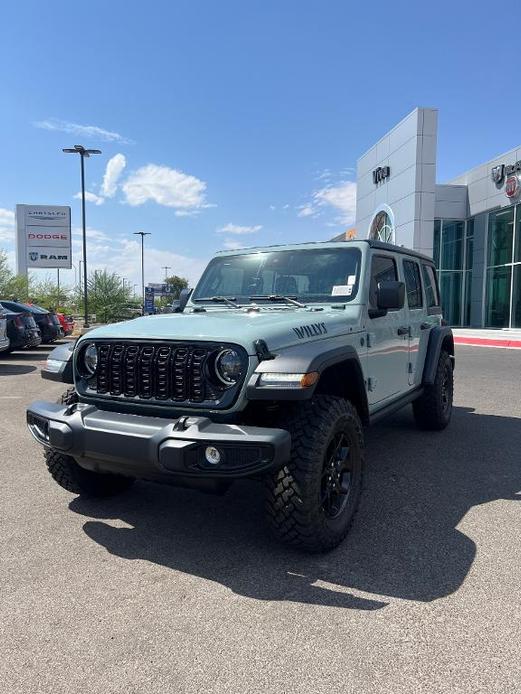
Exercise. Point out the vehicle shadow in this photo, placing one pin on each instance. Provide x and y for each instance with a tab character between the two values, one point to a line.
404	542
15	369
29	354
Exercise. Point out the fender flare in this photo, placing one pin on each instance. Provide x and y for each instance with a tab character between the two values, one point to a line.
437	337
304	358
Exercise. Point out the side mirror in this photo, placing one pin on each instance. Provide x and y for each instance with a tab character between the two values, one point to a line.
184	295
390	295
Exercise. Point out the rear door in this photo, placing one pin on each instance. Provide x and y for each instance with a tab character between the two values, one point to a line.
418	332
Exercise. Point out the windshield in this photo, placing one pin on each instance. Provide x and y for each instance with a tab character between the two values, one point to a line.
312	275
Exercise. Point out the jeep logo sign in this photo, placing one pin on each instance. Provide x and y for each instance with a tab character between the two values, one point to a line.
380	174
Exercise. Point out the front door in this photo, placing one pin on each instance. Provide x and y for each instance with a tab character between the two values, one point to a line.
388	339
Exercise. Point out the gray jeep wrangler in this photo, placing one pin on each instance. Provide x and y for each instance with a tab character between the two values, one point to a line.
279	358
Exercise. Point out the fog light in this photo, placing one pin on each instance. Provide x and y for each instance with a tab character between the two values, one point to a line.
212	455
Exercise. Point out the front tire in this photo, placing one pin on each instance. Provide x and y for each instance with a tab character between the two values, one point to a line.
312	500
68	474
433	409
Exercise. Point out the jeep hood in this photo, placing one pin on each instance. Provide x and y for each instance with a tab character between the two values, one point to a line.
279	328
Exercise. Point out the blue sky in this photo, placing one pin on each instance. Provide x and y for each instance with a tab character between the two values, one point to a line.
236	123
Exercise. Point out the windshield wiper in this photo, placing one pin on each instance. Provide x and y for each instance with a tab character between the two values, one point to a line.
278	297
228	300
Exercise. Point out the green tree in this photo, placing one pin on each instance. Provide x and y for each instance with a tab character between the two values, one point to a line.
5	272
12	286
109	296
176	283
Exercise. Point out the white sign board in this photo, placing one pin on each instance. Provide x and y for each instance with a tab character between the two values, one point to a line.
43	237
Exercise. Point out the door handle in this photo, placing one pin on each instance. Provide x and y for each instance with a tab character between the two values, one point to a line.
403	331
425	326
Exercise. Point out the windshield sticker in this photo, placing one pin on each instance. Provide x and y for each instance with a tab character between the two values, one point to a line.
342	290
312	330
351	279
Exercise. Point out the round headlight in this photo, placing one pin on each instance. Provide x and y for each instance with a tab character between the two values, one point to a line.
228	366
90	358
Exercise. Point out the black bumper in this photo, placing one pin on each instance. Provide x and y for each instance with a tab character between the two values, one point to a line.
155	448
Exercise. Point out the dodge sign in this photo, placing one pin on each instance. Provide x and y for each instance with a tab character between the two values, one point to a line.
43	237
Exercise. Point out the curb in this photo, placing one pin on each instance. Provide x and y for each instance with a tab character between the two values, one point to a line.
487	342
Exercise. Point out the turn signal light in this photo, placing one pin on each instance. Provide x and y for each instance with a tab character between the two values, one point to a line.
285	380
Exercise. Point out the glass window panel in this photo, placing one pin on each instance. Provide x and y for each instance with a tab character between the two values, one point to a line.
436	243
469	245
516	299
468	297
498	297
411	271
517	251
431	289
383	269
452	245
500	230
450	289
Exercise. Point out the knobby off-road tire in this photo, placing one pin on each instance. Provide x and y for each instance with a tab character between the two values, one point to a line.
69	475
298	508
433	410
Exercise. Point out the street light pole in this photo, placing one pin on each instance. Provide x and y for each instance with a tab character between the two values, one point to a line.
166	268
142	234
80	149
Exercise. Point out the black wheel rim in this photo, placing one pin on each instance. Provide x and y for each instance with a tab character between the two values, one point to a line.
446	390
337	476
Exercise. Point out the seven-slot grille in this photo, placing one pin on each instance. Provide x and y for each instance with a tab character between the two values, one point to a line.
150	371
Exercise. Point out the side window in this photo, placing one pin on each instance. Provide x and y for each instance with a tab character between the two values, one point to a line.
413	287
383	269
431	288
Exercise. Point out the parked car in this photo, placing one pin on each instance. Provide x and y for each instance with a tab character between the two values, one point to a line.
48	328
279	358
57	323
22	331
66	322
4	339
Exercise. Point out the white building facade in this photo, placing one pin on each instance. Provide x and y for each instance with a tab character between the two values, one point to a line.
470	225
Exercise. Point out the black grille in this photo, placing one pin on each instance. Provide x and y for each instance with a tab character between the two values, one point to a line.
176	372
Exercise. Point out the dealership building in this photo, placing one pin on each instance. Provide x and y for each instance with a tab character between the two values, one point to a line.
470	225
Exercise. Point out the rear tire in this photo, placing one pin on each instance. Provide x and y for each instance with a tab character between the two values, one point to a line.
433	410
312	500
68	474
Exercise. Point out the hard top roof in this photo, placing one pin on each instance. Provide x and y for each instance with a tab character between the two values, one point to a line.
389	247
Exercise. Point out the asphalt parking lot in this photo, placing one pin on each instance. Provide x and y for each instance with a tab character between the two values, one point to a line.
167	590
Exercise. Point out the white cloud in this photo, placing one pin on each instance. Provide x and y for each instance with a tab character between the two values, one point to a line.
123	254
232	245
237	229
165	186
89	131
92	234
6	225
341	197
115	167
306	211
91	197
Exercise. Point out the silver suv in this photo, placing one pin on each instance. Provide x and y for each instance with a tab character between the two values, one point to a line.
276	362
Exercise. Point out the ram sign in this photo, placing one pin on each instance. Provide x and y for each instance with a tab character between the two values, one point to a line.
43	237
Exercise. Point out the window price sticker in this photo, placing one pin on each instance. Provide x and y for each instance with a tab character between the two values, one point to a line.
342	290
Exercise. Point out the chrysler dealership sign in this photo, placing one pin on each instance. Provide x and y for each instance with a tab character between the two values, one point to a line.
43	237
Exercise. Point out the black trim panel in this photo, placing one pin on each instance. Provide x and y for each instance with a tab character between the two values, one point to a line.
436	337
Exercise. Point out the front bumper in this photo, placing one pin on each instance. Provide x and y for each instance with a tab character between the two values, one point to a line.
154	448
